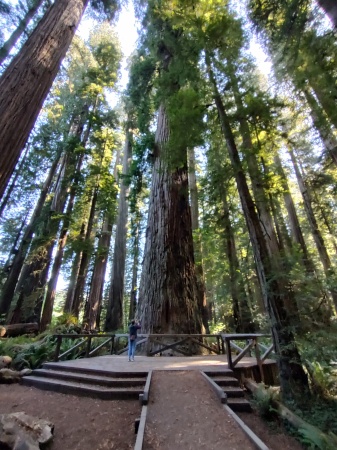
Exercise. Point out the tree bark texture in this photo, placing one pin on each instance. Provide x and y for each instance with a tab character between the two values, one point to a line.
192	179
96	288
27	80
114	315
169	288
292	375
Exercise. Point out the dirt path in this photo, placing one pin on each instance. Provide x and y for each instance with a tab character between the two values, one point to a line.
81	423
185	414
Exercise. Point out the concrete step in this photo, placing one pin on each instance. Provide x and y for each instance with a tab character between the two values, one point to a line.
98	372
233	391
90	378
239	404
225	381
68	387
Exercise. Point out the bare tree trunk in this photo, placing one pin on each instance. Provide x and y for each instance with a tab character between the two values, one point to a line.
68	306
296	231
316	233
83	269
135	250
114	316
322	126
13	181
97	283
27	80
10	284
18	32
168	287
292	375
196	238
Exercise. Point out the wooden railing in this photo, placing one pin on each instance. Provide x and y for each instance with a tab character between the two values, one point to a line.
184	344
86	342
252	344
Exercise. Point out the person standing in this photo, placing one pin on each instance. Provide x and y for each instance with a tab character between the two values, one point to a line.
132	339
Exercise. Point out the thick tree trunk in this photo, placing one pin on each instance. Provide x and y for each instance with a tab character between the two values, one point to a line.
114	315
330	8
10	284
18	32
292	375
97	283
196	238
27	80
168	287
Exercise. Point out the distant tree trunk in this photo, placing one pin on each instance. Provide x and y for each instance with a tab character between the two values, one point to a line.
316	233
196	238
83	269
13	181
8	289
27	80
97	283
262	202
292	375
243	318
330	9
68	306
322	126
296	231
135	251
114	315
21	28
168	287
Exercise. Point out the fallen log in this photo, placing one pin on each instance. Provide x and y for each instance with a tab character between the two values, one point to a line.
17	329
322	440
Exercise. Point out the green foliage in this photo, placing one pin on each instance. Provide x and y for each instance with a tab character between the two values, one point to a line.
263	401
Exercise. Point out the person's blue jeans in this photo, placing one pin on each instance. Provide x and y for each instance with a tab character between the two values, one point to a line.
132	349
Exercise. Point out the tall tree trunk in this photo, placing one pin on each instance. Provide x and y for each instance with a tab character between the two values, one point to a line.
316	233
135	251
13	181
292	375
330	9
322	126
196	238
296	231
97	283
68	305
8	289
168	287
114	316
27	80
18	32
83	269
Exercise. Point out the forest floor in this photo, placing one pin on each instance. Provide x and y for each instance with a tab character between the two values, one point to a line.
85	423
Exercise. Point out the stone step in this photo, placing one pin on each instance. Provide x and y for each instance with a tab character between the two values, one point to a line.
98	372
67	387
233	391
225	381
90	378
239	404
